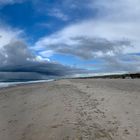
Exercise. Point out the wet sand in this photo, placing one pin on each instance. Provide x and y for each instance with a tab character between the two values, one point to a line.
73	109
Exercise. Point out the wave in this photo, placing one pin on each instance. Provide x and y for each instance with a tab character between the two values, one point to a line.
9	84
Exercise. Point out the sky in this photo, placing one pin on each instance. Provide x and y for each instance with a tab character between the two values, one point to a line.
41	39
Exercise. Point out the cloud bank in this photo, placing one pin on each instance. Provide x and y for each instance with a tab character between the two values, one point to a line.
17	62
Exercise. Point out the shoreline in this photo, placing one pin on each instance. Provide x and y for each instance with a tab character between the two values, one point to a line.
15	84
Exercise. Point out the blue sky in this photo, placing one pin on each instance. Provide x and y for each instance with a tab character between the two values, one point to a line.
95	35
42	17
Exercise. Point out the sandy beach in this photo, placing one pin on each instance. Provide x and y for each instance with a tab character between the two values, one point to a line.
71	109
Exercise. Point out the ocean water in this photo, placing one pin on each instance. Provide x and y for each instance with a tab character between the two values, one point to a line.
9	84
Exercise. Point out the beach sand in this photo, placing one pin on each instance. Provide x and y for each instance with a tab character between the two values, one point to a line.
71	109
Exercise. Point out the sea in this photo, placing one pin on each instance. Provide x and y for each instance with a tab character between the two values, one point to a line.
9	84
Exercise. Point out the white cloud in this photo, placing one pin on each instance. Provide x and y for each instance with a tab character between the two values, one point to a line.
58	14
8	35
119	9
118	20
6	2
97	29
16	38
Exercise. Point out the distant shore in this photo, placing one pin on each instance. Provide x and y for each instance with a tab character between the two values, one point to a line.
113	76
71	109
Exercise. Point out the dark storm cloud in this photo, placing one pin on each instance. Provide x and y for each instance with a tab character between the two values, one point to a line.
15	53
17	59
